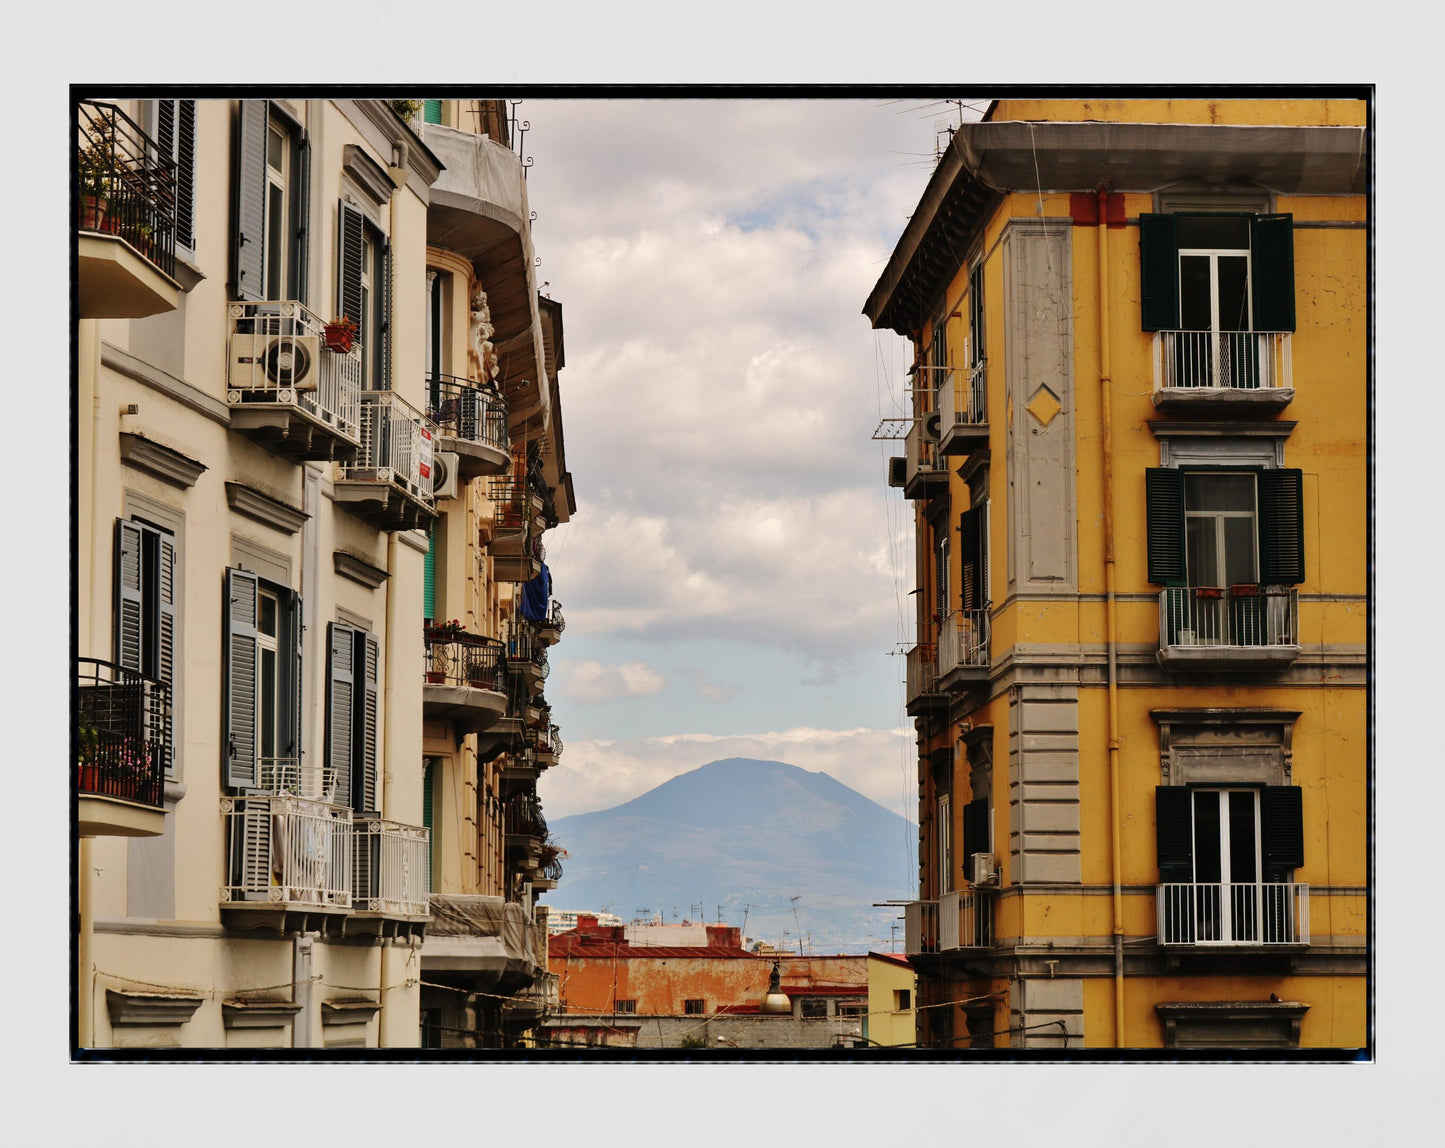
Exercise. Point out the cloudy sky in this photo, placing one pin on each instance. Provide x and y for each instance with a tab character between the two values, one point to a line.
735	580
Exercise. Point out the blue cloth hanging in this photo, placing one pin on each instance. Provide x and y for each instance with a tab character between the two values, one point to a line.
536	595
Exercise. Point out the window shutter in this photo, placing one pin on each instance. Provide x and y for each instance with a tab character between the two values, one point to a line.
429	577
367	663
971	558
293	627
340	682
975	828
1282	834
1174	832
166	635
349	254
940	561
1164	502
431	111
129	612
301	204
239	691
1271	253
176	140
977	351
248	238
1158	273
1281	522
383	380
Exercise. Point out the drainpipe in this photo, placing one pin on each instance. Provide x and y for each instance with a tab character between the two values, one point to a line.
1111	624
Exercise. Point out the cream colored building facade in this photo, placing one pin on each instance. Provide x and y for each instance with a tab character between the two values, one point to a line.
262	499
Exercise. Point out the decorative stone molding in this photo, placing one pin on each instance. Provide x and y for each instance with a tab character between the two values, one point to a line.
357	569
354	1011
127	1008
164	463
264	508
368	175
1231	1024
118	359
1219	744
258	1013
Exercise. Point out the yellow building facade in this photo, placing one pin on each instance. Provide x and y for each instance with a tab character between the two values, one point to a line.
262	493
1138	460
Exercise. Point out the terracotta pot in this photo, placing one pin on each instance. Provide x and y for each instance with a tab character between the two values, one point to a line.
435	678
339	339
93	209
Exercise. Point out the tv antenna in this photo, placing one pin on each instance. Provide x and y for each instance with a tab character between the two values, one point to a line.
795	900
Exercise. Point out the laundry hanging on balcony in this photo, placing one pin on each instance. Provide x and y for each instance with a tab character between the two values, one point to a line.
536	596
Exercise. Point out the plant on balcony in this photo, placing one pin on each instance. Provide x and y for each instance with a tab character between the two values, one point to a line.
341	333
406	110
96	168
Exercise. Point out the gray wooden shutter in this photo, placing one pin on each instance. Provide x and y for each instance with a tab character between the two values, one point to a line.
1164	503
290	659
350	223
383	375
1271	250
1174	833
368	660
1158	273
165	668
129	612
340	689
301	201
1282	837
1281	526
248	245
238	753
176	140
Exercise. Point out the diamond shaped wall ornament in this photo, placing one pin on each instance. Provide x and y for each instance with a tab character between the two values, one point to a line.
1044	406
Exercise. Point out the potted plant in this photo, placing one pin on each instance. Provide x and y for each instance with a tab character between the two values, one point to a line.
341	334
96	168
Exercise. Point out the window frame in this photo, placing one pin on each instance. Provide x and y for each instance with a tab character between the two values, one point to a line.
241	660
694	1006
155	616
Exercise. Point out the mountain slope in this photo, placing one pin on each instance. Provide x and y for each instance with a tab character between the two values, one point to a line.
746	834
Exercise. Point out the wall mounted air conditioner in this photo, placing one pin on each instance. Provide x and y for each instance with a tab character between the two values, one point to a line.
897	471
933	426
983	869
445	475
261	361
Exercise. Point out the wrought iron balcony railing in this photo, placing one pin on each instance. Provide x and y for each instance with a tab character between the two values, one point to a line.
390	868
1222	360
278	357
1262	616
522	815
461	659
473	411
1239	913
123	722
288	851
127	187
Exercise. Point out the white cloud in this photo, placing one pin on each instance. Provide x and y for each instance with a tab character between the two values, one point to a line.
589	681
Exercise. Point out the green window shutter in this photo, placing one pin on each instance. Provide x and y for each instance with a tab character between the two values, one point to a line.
1158	273
977	351
340	721
431	111
1281	526
165	668
428	818
239	689
301	192
1282	835
1271	253
248	239
1164	503
1174	832
429	578
972	557
350	223
129	610
366	663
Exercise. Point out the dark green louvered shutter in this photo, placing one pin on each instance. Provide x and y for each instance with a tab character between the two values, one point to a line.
1174	833
431	111
1164	504
1271	253
165	666
977	350
428	818
129	610
383	374
429	577
1281	526
975	829
1282	835
340	719
367	668
1158	273
301	205
248	245
238	753
349	252
971	551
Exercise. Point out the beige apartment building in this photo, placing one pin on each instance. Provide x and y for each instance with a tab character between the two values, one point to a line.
319	440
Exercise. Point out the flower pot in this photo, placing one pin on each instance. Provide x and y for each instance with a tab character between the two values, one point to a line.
339	339
93	210
435	678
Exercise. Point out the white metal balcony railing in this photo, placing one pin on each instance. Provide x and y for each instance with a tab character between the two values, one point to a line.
963	640
287	777
920	451
278	355
965	921
390	868
288	850
397	443
1222	360
921	671
961	397
1247	913
1232	616
920	927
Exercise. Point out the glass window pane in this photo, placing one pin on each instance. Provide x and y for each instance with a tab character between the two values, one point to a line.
1201	548
1206	836
268	615
1241	836
1212	232
275	241
1194	302
1233	271
1238	551
1229	492
266	702
275	150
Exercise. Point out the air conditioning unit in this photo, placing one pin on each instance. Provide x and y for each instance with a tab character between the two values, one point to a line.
445	475
983	869
897	471
261	361
933	426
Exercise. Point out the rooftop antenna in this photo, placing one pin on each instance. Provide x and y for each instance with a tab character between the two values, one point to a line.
797	926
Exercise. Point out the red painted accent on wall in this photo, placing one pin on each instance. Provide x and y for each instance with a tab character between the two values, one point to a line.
1084	209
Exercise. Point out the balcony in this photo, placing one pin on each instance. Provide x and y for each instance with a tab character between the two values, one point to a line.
525	831
390	878
1203	372
481	944
920	928
963	649
389	484
471	421
127	239
466	680
123	724
924	471
922	691
1233	628
963	410
550	630
1248	915
288	860
516	544
286	389
527	655
545	742
965	921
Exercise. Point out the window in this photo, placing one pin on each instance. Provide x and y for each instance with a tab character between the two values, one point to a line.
174	127
261	681
626	1006
1217	272
145	607
269	242
902	1000
945	846
364	290
813	1008
938	355
852	1009
352	671
692	1007
977	353
943	606
973	556
976	830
